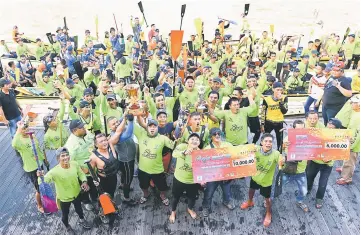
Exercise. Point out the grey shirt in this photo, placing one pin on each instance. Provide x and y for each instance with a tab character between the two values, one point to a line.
126	150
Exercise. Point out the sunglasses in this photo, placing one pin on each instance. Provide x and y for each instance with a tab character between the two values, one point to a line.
217	133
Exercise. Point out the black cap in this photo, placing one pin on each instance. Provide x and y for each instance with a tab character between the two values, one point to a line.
194	134
111	96
277	85
61	150
95	72
75	124
159	88
189	77
271	79
83	103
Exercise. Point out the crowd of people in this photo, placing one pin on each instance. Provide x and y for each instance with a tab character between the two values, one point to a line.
131	114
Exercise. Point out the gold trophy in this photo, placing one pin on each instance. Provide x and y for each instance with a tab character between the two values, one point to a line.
201	92
133	100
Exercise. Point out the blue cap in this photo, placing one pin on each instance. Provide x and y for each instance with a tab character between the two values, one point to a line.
230	71
70	48
111	96
88	91
217	79
214	130
207	67
69	81
277	85
152	122
158	88
161	111
75	124
296	70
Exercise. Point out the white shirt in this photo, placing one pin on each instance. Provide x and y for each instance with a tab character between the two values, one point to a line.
316	90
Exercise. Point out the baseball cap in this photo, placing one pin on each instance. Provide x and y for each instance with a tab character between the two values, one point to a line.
352	35
296	70
269	73
88	91
214	130
159	88
111	97
75	76
75	124
61	150
207	67
152	122
336	122
336	68
230	71
194	134
271	79
87	31
314	52
58	29
4	82
129	36
214	56
83	103
217	79
70	48
277	85
189	77
69	81
160	111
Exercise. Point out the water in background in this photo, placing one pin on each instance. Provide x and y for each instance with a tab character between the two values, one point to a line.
37	17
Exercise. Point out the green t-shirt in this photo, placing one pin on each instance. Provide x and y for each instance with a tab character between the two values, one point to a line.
169	104
66	181
266	166
129	47
257	100
187	99
79	148
241	64
345	113
224	144
302	67
21	50
150	150
124	70
183	170
236	124
52	137
39	52
89	77
270	66
24	147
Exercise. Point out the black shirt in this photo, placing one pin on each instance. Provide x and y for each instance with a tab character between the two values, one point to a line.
9	105
167	131
332	97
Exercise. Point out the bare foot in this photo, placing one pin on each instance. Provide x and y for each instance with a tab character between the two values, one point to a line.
172	217
192	213
267	220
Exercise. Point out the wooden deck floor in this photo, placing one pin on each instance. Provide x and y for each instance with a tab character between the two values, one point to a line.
340	214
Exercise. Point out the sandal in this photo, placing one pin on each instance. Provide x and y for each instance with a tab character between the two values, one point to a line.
303	206
143	199
319	203
342	181
165	201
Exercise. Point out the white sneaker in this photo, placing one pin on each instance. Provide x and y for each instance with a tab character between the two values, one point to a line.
89	207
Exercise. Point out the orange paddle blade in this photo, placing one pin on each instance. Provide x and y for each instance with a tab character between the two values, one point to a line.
181	74
107	204
176	38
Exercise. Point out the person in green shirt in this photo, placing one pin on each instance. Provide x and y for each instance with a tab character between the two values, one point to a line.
129	45
74	90
253	117
322	166
196	127
124	68
151	144
235	120
159	101
183	176
266	162
349	165
40	51
333	46
216	86
271	65
80	144
303	65
22	49
112	109
242	62
314	59
294	81
189	96
352	50
66	177
55	133
307	51
299	175
92	75
312	120
91	121
23	145
211	187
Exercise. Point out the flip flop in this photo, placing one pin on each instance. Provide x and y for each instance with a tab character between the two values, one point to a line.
143	199
319	203
303	206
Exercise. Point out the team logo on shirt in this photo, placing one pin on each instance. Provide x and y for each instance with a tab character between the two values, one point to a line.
186	167
145	142
148	154
235	127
